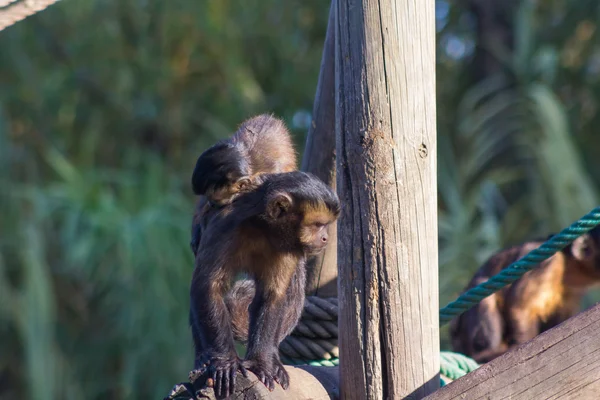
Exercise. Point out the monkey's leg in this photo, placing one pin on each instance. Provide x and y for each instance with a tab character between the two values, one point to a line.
211	329
488	355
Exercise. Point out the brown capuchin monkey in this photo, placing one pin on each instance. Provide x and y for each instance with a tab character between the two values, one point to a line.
232	166
541	299
267	233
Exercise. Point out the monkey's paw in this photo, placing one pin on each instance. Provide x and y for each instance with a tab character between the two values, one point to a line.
264	371
222	373
281	375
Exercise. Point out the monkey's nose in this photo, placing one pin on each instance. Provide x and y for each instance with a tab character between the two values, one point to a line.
324	239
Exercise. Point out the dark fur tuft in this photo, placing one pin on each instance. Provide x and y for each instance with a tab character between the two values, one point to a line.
215	165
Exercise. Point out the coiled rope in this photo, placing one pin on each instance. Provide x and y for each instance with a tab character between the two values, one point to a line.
315	341
12	11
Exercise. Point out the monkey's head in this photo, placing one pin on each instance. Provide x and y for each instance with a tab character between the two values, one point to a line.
299	207
222	172
586	250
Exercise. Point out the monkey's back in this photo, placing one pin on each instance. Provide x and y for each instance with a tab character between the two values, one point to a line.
538	296
267	144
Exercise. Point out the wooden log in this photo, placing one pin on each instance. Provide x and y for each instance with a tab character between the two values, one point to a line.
386	179
306	382
561	363
319	159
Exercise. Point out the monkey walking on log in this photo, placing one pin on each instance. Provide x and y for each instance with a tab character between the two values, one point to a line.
267	233
538	301
261	145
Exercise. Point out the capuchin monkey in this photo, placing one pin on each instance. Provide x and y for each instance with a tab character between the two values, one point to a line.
267	233
543	298
261	145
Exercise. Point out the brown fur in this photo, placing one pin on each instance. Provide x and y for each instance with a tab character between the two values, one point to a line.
261	145
541	299
264	234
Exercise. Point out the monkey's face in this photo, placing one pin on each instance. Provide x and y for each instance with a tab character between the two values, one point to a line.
586	249
299	209
314	238
306	222
313	233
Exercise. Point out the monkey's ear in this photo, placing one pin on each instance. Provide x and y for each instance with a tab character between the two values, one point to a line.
279	205
243	183
583	247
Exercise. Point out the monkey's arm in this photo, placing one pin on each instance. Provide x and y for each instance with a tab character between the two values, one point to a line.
274	313
211	326
199	222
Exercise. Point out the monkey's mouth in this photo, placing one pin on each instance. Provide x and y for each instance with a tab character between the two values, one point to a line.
315	250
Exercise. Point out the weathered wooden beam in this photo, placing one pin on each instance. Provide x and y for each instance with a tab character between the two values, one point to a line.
306	382
386	179
319	159
561	363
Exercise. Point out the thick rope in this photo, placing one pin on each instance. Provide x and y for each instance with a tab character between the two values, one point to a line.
316	335
315	341
12	11
456	365
517	269
452	365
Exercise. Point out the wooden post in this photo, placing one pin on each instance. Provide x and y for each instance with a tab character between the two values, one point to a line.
319	159
386	179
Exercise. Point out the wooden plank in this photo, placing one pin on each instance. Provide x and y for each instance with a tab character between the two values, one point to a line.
386	179
319	159
561	363
306	382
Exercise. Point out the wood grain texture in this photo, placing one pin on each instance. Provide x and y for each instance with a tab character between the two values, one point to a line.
386	179
561	363
319	159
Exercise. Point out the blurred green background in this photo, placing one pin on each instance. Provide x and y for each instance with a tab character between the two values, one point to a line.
105	105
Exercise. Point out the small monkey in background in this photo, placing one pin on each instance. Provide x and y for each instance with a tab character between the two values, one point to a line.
261	145
541	299
267	233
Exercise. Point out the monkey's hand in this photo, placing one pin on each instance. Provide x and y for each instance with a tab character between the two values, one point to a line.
281	375
221	373
264	371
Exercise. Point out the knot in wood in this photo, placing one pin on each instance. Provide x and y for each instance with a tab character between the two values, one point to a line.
423	150
369	138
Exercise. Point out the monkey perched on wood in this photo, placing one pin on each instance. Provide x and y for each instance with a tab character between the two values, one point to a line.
261	145
267	233
541	299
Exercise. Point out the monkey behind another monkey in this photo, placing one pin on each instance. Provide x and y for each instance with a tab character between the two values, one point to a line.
261	145
267	233
543	298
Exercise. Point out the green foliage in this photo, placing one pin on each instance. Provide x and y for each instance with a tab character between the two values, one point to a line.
105	105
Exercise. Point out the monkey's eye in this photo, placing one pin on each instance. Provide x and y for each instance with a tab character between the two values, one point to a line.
319	225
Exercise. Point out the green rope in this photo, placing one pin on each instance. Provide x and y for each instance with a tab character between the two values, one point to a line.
452	365
517	269
455	365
